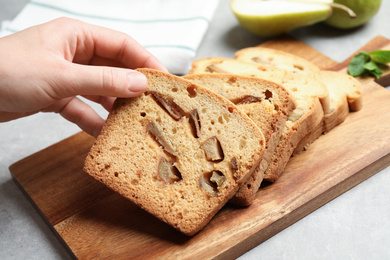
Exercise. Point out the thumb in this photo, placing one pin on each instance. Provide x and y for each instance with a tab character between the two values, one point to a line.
104	81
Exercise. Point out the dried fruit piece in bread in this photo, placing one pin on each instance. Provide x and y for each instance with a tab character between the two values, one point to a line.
268	105
179	151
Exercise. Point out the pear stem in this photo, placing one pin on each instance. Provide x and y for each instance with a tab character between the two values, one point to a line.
350	12
344	8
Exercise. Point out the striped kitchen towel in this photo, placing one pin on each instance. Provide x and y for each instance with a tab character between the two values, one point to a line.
170	29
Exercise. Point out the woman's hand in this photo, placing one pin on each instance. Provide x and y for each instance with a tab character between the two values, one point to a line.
45	67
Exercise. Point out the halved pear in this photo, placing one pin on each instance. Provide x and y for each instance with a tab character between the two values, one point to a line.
267	18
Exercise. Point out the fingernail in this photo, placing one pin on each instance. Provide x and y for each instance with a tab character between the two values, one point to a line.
136	82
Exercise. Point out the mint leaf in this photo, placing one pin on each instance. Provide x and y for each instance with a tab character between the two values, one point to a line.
373	68
380	56
368	62
355	67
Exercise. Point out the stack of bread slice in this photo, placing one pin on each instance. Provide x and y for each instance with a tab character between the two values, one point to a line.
324	99
191	144
345	92
267	103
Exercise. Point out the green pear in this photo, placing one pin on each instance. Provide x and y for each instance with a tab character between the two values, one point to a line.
267	18
364	9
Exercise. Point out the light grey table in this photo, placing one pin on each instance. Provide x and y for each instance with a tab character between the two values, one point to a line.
356	225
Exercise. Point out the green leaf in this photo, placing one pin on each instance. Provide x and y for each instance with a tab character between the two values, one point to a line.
369	62
370	66
373	68
380	56
355	67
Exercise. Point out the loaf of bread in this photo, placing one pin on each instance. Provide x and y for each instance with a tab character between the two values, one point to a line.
179	151
311	95
268	105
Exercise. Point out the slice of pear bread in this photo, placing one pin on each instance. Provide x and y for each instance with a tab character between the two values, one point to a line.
345	94
268	105
179	151
276	58
311	95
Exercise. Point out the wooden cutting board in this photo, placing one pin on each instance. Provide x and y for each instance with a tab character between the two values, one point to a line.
94	222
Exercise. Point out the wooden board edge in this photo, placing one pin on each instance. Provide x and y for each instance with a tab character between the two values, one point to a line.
376	43
42	215
304	210
309	53
14	166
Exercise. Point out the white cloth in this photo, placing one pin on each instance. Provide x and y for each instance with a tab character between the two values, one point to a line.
170	29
